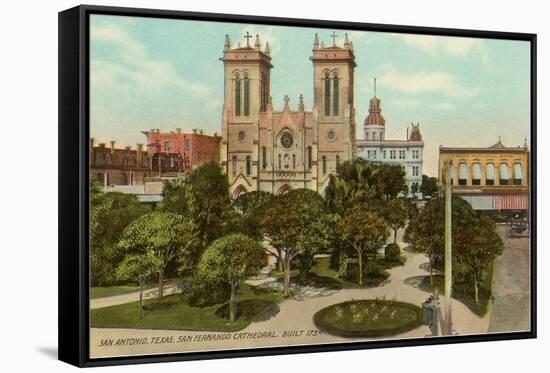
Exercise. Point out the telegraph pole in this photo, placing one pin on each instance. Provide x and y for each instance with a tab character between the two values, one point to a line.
448	329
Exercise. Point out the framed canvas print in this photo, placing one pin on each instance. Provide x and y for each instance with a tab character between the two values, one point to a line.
237	186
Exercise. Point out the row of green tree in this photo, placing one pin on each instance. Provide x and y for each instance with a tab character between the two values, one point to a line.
475	241
131	241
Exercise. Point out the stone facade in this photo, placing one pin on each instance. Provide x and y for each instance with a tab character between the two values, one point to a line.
280	150
492	178
375	148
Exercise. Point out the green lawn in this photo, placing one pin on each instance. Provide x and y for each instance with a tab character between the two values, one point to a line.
375	276
175	313
465	294
368	318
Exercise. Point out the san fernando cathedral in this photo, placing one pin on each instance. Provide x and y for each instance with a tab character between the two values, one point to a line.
276	151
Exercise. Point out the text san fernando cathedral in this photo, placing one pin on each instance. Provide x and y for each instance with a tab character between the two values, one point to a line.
276	151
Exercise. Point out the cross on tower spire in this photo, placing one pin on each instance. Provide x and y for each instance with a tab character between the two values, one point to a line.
333	36
247	37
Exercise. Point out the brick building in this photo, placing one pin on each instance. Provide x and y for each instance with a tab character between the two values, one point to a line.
194	148
126	166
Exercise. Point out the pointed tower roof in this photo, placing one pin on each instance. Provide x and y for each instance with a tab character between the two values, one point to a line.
415	134
316	42
375	116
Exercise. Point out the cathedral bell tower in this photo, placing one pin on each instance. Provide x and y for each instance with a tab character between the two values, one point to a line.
247	93
334	109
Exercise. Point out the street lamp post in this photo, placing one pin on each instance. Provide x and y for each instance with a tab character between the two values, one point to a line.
448	250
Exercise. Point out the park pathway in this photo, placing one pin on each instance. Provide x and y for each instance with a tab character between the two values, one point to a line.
296	314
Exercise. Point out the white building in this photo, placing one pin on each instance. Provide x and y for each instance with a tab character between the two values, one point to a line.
408	152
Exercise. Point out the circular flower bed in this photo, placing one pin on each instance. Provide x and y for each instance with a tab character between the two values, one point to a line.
368	318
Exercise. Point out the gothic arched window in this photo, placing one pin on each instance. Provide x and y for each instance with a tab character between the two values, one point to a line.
324	165
336	93
237	95
293	161
248	165
246	95
337	161
309	157
280	162
327	94
264	158
234	165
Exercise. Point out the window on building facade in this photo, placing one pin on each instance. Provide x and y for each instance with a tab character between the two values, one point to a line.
337	161
293	161
280	162
462	174
384	154
476	174
246	95
264	157
324	165
309	157
392	154
415	170
453	174
374	154
234	165
504	176
167	147
518	174
248	165
336	97
237	95
401	154
490	174
327	94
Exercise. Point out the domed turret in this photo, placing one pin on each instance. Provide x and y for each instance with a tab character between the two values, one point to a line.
374	125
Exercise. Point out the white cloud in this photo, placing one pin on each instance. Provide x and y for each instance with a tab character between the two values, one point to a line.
445	106
266	33
425	82
455	46
136	70
405	103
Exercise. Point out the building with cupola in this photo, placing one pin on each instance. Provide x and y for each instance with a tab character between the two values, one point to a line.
407	152
276	145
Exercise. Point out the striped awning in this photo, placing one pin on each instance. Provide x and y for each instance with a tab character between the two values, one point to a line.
511	202
503	202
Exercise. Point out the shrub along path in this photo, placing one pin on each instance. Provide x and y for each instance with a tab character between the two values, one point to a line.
295	319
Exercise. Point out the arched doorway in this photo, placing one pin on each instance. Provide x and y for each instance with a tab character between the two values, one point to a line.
283	189
238	191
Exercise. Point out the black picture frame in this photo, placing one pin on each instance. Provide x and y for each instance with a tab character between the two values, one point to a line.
74	186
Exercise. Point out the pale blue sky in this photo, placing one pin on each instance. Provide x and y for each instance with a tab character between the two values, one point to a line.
161	73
